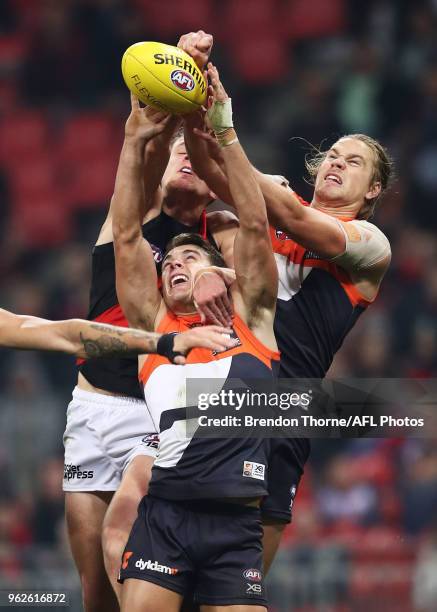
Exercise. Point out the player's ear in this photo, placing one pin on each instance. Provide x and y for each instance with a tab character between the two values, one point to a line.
374	191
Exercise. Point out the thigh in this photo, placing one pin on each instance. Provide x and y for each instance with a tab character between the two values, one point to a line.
87	466
140	596
129	432
232	572
271	540
156	549
123	508
84	513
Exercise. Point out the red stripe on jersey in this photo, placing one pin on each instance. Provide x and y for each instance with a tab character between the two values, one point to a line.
203	225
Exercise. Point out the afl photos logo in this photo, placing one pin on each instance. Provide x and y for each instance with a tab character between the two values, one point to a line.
182	80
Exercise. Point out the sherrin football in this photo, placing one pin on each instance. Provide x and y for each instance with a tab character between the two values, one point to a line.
164	77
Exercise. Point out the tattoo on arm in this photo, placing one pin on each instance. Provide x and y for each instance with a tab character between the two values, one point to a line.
105	346
118	331
115	342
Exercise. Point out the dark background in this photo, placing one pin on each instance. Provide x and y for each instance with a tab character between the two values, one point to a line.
364	532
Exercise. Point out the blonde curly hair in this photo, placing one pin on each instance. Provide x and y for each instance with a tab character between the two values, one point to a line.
382	169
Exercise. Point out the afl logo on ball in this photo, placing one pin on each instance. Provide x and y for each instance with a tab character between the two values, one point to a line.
182	80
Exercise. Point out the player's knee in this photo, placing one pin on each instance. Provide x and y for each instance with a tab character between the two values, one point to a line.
113	542
97	593
118	522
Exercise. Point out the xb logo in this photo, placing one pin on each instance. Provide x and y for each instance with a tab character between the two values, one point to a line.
253	589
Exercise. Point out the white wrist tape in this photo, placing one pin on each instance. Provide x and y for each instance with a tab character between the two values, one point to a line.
220	115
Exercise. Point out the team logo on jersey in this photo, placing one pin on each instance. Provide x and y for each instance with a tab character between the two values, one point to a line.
282	235
254	589
155	567
253	575
182	80
151	440
125	561
157	253
72	472
254	470
312	255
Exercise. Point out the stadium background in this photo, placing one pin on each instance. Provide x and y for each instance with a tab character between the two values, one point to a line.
365	530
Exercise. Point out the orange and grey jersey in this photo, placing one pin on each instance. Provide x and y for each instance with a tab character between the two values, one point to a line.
190	467
120	376
318	300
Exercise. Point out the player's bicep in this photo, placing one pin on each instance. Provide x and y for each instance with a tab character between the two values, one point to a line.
316	231
255	268
224	226
154	206
137	282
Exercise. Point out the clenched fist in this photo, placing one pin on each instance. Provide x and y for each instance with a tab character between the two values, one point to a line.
198	45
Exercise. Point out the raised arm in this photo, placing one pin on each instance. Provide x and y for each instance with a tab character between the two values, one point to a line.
205	156
308	226
255	266
136	277
92	340
313	229
155	160
199	46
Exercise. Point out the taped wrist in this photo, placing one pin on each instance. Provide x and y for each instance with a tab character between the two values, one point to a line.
165	347
220	118
220	115
226	137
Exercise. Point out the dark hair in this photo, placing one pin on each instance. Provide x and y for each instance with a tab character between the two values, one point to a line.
215	256
382	169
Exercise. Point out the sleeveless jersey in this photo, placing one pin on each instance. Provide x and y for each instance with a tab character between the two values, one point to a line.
317	306
120	376
189	467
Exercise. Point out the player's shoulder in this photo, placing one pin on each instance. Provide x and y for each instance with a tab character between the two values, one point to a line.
370	232
221	219
367	248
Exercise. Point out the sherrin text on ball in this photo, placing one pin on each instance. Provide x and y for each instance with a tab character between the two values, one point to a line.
164	77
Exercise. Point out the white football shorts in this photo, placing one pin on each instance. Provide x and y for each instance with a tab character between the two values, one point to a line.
103	434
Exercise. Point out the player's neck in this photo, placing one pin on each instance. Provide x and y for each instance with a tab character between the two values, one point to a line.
343	211
183	212
182	310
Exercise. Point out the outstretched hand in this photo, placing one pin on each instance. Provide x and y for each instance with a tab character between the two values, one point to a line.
216	92
146	123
